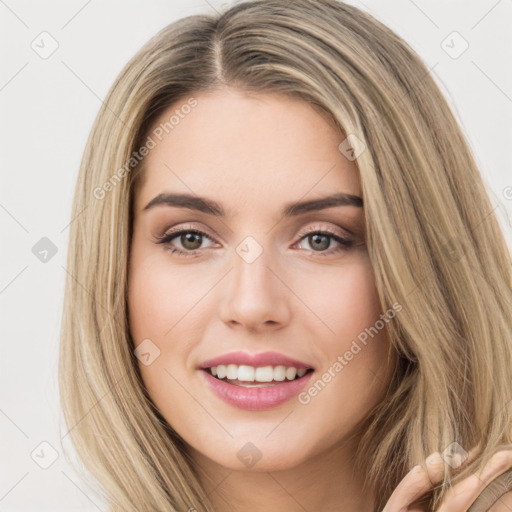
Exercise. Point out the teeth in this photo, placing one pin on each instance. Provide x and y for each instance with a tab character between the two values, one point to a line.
264	374
290	373
221	371
279	373
246	373
232	371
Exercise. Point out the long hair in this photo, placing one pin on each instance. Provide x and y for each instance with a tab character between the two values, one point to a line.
432	235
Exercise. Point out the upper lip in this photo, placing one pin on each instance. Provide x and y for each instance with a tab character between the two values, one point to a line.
256	360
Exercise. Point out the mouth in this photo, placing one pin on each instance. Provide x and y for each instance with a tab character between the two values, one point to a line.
255	381
256	388
257	377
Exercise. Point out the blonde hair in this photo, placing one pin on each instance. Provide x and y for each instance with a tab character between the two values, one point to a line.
432	235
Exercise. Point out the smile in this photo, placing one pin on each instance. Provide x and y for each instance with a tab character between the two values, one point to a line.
255	388
262	374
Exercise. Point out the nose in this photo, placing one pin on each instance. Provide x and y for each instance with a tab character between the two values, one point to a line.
254	296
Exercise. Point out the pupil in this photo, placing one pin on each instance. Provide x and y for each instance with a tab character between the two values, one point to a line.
316	238
189	238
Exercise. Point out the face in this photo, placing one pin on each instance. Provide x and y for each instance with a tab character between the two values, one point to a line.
260	278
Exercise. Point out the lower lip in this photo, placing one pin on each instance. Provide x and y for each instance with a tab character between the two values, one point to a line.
256	399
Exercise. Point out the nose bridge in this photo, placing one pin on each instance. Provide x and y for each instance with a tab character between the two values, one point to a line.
255	295
251	262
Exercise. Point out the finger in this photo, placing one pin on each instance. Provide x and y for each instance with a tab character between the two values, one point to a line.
462	495
416	483
419	480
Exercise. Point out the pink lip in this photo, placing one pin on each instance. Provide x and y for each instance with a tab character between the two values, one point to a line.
256	360
255	398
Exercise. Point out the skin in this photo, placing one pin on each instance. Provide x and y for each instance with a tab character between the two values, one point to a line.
461	496
254	153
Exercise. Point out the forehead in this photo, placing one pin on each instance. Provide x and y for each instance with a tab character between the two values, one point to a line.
235	146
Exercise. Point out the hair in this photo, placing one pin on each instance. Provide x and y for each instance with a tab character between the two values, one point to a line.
432	235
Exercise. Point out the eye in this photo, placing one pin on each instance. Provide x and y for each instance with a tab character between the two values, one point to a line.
320	240
191	240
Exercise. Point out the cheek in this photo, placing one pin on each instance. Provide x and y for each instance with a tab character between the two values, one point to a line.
344	300
360	305
164	302
355	347
157	301
159	295
355	370
359	323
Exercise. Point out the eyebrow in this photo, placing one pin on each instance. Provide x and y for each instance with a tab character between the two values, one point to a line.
212	207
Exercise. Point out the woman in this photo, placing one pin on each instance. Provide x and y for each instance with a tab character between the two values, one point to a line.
289	286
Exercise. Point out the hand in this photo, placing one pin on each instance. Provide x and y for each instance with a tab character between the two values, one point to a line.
473	494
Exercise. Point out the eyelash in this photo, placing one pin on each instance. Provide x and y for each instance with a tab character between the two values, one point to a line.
165	239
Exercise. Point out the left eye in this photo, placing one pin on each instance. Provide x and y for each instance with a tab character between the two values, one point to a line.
191	241
322	240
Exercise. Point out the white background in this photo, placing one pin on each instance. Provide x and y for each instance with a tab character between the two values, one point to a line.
47	109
